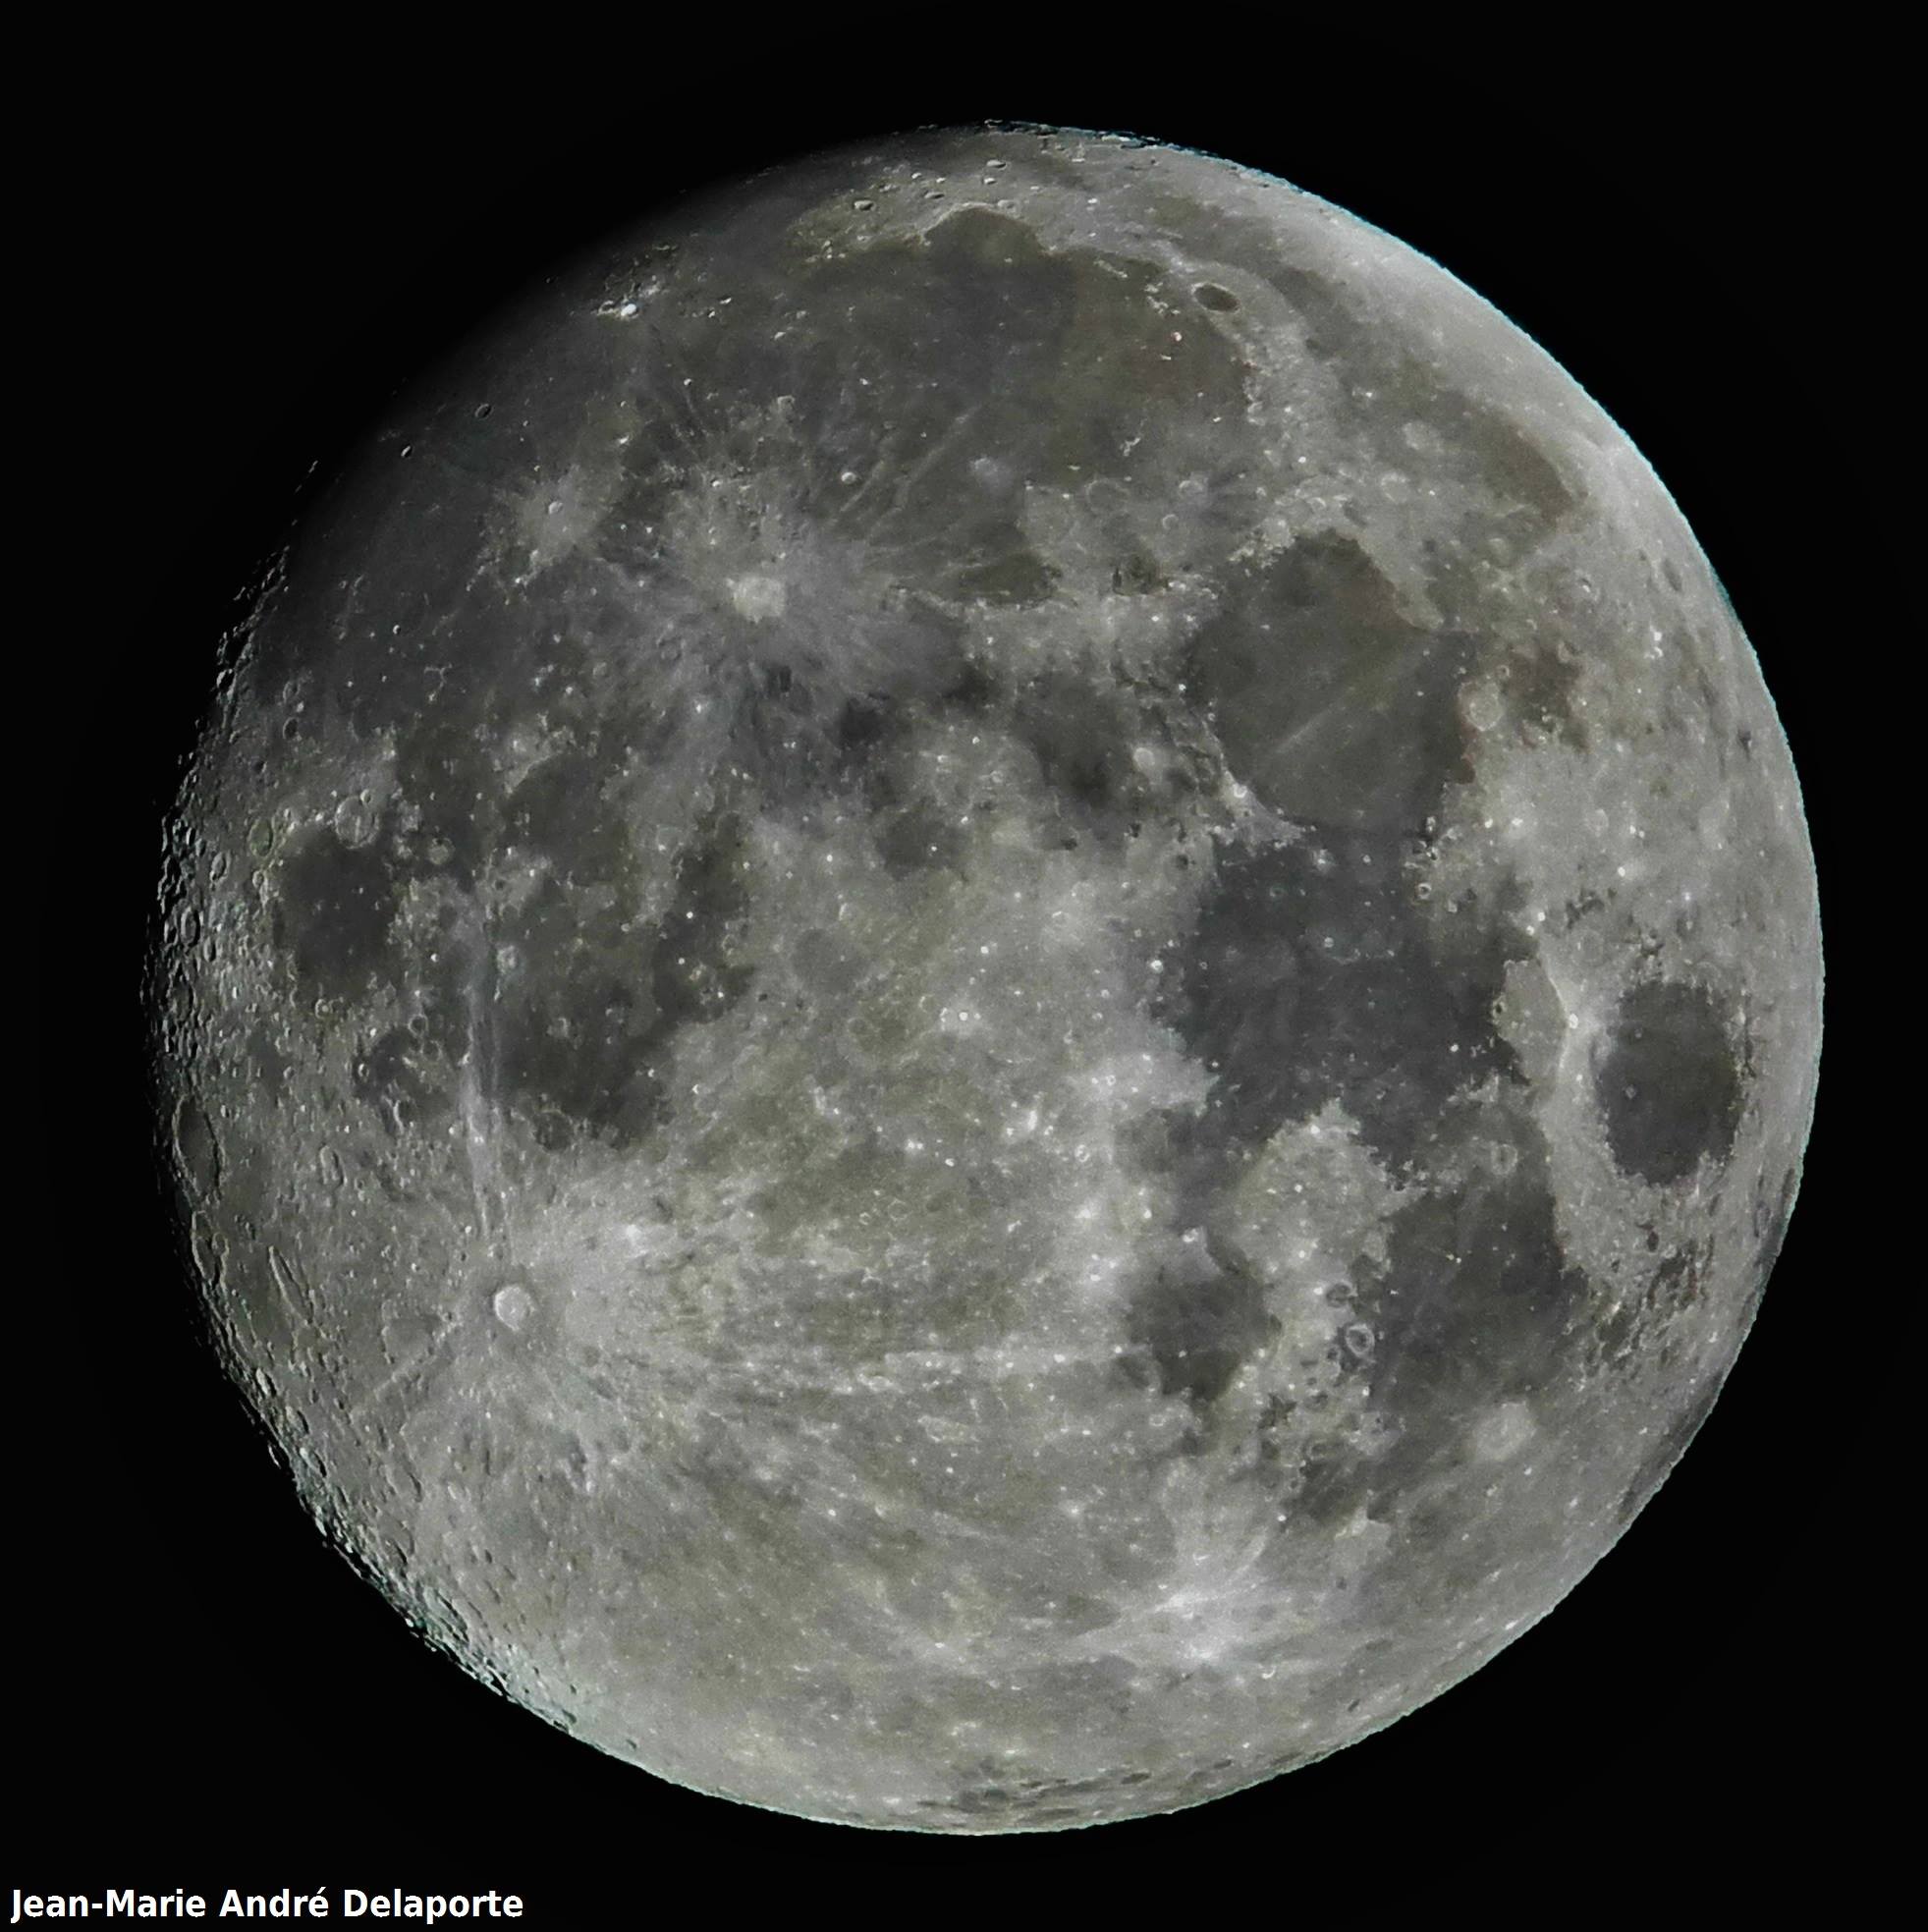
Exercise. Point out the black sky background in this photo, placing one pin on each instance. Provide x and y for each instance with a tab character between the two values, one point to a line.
279	227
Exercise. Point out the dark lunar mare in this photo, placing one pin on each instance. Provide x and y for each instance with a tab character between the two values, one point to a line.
1313	976
1669	1084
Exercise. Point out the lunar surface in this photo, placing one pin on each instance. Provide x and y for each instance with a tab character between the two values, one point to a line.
990	989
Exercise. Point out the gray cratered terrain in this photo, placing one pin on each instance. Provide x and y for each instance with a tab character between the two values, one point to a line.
988	997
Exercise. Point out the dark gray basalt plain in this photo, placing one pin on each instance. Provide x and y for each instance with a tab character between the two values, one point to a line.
989	994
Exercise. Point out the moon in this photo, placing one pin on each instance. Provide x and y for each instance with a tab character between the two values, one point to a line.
990	989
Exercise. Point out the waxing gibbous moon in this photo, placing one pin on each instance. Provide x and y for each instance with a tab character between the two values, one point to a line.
990	988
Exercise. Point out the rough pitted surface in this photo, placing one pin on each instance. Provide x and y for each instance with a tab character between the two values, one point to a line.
989	996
